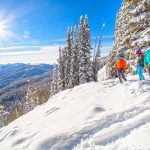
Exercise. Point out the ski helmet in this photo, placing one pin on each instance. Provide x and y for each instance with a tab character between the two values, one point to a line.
138	52
121	55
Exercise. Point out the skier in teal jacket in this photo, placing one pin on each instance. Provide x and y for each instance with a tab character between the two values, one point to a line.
147	60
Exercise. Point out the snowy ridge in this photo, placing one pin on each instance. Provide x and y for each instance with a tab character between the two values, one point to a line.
102	115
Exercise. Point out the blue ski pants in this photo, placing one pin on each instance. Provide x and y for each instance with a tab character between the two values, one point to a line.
140	72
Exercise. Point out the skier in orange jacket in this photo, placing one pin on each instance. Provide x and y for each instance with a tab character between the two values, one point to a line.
121	67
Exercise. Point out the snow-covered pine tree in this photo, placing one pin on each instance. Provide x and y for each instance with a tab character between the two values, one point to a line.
85	67
32	99
64	57
121	33
61	73
72	66
82	77
75	58
139	24
68	73
139	28
3	116
88	62
121	28
28	103
54	84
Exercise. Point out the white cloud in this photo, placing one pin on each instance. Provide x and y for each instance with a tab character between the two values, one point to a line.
26	34
36	54
30	54
19	53
18	48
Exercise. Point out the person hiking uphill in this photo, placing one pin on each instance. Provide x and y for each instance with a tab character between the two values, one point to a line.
140	64
147	60
121	67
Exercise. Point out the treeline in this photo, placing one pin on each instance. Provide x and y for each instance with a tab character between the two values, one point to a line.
77	64
34	96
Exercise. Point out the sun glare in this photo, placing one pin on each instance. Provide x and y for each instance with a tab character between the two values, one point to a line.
8	19
4	31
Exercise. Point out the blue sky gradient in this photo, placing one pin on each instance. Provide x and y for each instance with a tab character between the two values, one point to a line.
44	22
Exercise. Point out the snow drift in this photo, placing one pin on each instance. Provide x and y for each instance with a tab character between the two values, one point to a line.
102	115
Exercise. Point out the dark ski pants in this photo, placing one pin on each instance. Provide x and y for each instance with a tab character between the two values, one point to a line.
148	68
121	75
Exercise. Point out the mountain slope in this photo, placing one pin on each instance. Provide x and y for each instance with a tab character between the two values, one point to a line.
106	113
10	73
14	82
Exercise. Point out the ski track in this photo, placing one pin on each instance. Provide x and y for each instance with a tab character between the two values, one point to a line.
112	120
134	114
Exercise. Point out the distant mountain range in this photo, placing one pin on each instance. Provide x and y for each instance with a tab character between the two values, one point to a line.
13	81
13	72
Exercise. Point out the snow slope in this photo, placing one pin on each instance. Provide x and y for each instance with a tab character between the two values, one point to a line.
94	116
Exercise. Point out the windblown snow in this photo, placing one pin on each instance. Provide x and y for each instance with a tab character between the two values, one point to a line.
105	115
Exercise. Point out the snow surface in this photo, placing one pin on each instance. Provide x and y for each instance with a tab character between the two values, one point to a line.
102	76
105	115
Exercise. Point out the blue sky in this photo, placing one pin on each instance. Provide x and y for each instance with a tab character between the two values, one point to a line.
35	25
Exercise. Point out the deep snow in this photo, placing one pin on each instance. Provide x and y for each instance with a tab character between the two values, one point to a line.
94	116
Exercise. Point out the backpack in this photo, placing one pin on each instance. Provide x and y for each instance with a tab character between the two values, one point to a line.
147	58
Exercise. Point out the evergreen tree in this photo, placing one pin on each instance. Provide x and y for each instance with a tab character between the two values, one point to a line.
64	57
139	24
75	58
75	66
3	116
54	85
82	77
68	78
32	99
85	68
120	34
89	68
61	73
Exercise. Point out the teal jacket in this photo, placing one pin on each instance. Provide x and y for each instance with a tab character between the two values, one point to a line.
147	58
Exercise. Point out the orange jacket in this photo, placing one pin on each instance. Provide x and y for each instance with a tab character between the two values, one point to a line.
121	64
